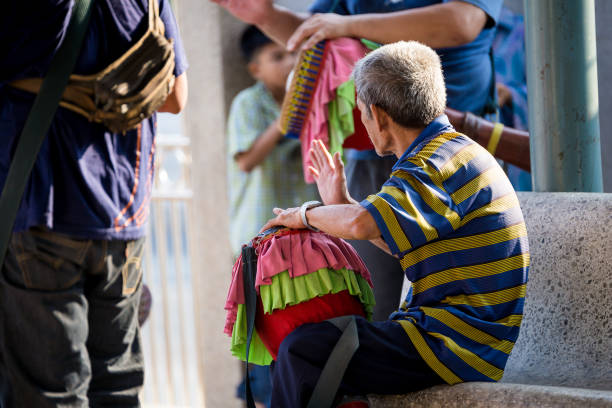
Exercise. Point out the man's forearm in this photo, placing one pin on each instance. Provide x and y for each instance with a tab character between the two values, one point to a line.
348	221
280	24
438	26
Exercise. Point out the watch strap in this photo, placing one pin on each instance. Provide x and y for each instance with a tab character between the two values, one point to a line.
305	207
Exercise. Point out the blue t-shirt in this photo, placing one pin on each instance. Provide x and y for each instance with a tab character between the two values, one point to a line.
467	68
87	181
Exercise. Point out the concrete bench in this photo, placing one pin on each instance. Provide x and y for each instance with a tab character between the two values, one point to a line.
563	357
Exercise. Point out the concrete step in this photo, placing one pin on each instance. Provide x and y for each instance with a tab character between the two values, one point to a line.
494	395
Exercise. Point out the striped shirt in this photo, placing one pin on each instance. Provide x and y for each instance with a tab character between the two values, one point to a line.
452	217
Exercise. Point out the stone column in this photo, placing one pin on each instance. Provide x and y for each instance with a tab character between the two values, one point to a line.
206	32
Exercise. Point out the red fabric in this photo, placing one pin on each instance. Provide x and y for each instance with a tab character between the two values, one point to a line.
273	328
360	139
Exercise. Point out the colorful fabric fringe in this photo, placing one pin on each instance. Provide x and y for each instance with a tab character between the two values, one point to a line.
341	55
294	266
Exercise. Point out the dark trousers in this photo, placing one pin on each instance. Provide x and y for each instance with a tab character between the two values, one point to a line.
69	334
365	177
386	362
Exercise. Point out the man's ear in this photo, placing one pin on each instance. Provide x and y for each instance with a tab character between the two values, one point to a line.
381	118
253	68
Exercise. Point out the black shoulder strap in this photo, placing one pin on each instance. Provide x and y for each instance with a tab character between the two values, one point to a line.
38	121
249	269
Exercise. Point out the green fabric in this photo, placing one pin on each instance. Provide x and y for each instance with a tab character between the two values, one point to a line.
370	44
285	291
340	116
340	110
258	353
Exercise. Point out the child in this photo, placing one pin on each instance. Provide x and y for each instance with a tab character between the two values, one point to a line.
265	169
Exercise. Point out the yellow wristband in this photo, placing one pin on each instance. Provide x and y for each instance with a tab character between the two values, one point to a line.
495	137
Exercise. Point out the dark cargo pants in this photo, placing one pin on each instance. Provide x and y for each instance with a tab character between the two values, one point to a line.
68	322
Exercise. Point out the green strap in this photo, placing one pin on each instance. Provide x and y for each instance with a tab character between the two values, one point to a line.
38	121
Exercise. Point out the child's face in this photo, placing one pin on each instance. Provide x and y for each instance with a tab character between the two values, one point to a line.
272	65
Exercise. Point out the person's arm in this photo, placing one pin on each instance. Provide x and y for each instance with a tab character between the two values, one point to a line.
342	216
275	21
348	221
247	160
176	101
438	26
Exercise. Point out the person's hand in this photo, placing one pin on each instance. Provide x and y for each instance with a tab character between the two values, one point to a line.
249	11
289	218
504	96
328	173
319	27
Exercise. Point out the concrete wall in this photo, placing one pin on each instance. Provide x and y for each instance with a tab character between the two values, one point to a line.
204	28
565	338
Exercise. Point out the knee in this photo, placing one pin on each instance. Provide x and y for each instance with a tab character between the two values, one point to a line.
309	340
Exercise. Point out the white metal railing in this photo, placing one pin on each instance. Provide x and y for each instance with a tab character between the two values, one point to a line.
171	336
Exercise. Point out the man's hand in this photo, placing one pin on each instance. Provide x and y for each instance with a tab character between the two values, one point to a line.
504	96
329	175
249	11
319	27
289	218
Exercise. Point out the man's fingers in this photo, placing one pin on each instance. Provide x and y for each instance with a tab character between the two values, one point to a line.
314	158
267	226
318	151
338	162
325	154
299	35
314	172
277	210
314	39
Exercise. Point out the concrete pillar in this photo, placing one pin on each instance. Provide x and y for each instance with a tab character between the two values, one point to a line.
204	35
563	98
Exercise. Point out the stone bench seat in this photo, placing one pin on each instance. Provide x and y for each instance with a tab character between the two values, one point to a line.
492	395
563	357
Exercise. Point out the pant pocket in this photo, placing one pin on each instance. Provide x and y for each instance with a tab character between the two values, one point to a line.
132	269
44	260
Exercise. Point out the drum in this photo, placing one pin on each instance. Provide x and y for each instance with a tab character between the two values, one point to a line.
302	277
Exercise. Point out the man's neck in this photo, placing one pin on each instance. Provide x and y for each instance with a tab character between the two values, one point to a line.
402	138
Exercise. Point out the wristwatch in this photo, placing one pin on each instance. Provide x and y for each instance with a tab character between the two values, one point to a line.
306	206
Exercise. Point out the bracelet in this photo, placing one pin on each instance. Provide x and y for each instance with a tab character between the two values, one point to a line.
306	206
495	137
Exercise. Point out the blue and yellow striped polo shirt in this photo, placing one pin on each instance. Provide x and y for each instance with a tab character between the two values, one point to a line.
452	217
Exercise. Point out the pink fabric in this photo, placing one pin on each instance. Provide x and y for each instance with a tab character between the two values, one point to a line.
340	57
301	252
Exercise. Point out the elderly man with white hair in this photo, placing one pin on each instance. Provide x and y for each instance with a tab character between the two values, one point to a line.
451	217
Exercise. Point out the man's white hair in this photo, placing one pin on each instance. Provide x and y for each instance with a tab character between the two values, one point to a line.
405	80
